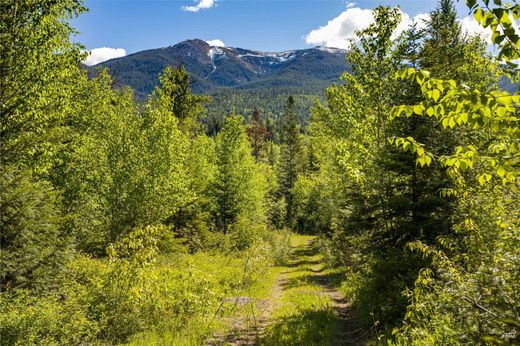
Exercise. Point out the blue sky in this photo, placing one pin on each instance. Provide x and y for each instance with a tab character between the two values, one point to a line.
267	25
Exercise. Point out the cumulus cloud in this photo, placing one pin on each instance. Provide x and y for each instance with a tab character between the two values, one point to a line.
216	43
201	5
98	55
340	30
471	27
419	19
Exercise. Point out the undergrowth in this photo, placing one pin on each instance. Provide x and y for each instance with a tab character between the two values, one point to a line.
142	296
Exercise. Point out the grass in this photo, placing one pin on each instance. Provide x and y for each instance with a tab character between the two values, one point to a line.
300	311
207	285
305	313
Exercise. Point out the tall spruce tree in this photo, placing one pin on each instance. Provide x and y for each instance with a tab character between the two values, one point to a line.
289	166
175	93
442	51
39	78
449	52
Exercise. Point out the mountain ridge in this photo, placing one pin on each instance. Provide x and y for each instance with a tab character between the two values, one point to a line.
213	68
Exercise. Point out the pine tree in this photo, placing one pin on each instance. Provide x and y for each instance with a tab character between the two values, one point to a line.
441	52
29	228
447	51
175	94
290	156
257	134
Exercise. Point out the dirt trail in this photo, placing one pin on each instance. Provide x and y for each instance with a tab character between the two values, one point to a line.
304	307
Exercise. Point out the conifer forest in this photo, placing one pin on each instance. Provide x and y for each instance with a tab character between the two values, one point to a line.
384	212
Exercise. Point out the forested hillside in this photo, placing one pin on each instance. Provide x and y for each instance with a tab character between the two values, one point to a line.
238	79
213	68
156	222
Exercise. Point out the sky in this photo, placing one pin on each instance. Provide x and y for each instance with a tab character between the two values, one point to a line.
114	28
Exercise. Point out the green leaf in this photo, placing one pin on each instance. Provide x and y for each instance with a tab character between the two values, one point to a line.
452	123
418	109
479	15
436	94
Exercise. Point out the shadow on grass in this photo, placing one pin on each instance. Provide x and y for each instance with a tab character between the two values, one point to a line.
302	263
309	327
330	280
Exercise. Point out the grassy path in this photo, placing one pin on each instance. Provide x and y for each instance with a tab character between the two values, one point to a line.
304	306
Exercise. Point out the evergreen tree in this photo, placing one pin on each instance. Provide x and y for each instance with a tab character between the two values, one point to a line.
29	229
442	51
257	134
39	79
175	94
448	52
289	166
238	187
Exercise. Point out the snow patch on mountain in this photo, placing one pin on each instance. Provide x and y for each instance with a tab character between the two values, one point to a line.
269	58
281	57
252	55
214	51
331	50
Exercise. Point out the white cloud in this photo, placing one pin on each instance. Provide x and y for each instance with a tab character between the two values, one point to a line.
351	4
216	43
98	55
473	28
339	31
202	4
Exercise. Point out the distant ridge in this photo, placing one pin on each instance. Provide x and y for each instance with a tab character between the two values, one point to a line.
215	68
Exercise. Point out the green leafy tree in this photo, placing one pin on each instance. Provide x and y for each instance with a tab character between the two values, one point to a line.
38	66
469	295
190	217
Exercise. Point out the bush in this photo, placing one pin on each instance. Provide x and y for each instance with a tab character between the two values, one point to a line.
29	228
66	316
280	244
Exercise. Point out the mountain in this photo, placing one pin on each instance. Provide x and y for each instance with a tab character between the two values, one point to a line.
239	80
214	68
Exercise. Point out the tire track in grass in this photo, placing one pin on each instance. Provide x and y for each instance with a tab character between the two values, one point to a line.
304	307
311	310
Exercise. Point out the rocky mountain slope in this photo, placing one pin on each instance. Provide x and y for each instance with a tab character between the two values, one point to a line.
213	68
